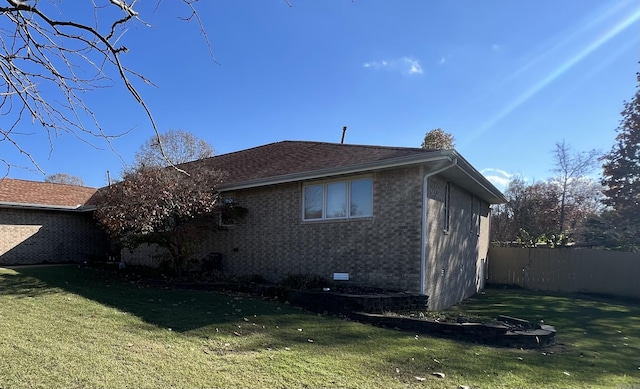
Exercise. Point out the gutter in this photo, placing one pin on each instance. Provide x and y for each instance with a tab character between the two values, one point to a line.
322	173
495	196
45	207
425	208
477	177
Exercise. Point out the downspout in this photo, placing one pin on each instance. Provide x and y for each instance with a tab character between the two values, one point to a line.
425	200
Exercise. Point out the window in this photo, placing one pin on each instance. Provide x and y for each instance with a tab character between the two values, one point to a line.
447	207
478	218
476	203
472	215
338	200
230	211
361	204
313	202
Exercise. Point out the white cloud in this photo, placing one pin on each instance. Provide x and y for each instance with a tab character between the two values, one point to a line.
406	65
496	47
414	65
497	177
444	59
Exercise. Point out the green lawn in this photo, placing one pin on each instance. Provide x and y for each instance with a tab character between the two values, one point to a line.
70	327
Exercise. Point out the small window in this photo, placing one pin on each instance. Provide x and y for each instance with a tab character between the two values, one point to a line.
472	215
447	207
361	198
230	211
476	204
313	200
478	213
338	200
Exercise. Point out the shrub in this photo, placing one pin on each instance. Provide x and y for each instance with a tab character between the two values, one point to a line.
304	281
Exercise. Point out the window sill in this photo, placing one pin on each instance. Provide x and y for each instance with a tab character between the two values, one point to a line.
328	221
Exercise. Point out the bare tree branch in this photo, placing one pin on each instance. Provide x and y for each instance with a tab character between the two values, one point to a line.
570	166
48	63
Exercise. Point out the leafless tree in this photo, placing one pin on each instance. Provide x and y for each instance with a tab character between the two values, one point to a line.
571	167
532	212
437	139
48	61
64	178
178	146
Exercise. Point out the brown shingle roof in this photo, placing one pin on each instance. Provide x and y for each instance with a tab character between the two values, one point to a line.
290	161
274	162
291	157
44	194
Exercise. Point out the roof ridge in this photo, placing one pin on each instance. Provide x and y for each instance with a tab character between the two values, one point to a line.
46	183
361	145
308	142
230	153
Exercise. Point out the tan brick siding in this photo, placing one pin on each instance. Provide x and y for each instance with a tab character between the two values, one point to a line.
455	259
31	237
381	251
273	241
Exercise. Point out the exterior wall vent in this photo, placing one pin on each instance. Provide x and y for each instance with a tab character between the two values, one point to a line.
341	276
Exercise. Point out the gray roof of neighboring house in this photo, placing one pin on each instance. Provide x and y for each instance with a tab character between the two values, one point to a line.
291	161
44	195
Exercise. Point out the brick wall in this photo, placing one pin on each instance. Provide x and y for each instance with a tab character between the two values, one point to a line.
32	236
381	251
456	260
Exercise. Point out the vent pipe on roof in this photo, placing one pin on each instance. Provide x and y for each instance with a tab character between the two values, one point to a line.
344	131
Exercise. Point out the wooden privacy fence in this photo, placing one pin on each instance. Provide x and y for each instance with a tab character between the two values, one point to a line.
567	270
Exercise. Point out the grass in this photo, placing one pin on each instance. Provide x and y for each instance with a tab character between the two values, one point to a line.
73	327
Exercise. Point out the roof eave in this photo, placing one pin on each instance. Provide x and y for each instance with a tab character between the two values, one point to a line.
491	193
495	196
443	155
47	207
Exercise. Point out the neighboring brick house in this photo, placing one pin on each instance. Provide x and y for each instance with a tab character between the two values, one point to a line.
397	218
44	222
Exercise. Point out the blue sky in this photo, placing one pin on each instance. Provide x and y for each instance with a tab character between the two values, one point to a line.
507	78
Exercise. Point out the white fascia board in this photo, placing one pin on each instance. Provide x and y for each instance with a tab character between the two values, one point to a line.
480	179
436	156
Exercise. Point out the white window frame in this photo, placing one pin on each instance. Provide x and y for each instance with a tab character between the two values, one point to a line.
324	185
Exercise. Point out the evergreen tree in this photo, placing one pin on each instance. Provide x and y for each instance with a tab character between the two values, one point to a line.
621	175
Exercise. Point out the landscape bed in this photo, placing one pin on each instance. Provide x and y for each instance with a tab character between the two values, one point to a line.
406	311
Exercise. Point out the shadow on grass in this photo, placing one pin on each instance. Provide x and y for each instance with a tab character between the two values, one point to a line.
181	310
23	286
260	323
571	312
255	323
601	337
